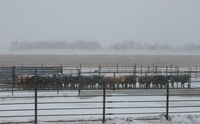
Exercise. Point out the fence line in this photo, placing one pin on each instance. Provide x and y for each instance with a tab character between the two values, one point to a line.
8	74
109	108
105	109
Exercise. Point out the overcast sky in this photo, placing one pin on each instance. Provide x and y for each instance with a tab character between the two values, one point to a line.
106	21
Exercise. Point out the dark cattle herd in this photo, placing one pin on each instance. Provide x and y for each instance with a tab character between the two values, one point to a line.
60	81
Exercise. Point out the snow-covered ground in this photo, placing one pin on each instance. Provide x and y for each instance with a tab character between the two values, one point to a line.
7	51
64	100
88	109
160	119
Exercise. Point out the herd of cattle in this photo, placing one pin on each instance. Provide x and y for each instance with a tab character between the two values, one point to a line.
95	82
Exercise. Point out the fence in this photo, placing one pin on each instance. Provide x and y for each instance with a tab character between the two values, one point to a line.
69	106
79	105
138	69
8	74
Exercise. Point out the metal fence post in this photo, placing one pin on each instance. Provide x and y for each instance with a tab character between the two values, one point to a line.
79	86
167	98
178	71
170	69
13	79
134	69
177	74
153	68
36	96
57	85
99	76
117	67
104	101
61	69
156	69
189	78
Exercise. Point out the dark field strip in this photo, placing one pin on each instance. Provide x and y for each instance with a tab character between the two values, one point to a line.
104	60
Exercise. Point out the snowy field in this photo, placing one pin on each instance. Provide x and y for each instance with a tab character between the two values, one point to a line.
137	106
138	109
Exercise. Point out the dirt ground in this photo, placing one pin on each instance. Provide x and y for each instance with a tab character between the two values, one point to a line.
104	60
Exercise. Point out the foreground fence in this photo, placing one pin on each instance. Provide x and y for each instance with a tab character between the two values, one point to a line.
95	105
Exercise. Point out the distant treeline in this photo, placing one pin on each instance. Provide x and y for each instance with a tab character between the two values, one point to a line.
132	45
94	45
82	45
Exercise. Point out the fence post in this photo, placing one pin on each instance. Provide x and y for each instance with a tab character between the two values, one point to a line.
117	67
61	69
13	79
178	71
99	75
177	74
104	101
79	85
57	84
153	68
167	98
171	69
80	67
36	96
189	78
156	69
135	69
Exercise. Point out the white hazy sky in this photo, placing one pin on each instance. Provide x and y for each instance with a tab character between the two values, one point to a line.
106	21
